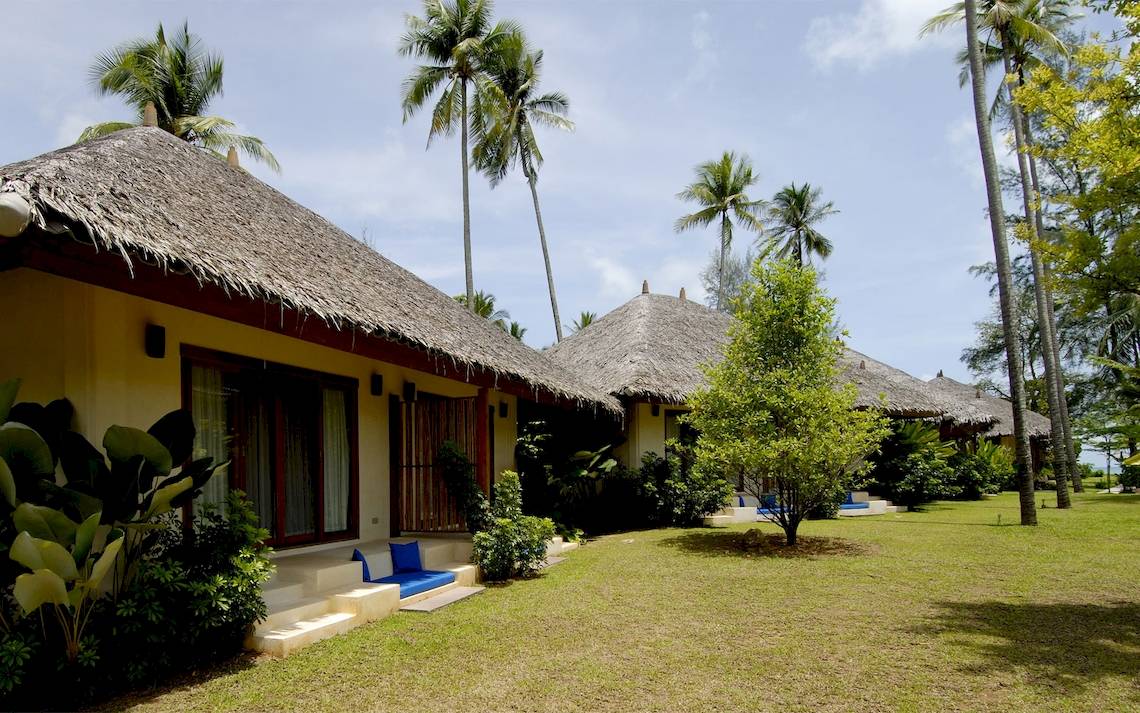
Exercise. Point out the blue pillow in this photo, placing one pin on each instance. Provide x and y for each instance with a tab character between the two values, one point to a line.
405	557
358	556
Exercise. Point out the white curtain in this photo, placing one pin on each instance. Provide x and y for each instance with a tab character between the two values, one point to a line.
208	404
338	461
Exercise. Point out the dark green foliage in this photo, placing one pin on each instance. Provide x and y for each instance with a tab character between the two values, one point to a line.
676	493
513	544
459	478
589	490
912	466
205	585
981	468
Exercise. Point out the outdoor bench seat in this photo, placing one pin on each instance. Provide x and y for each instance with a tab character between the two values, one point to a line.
769	511
412	583
854	506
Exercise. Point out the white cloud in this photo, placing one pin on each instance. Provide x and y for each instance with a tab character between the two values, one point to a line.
617	280
877	30
962	138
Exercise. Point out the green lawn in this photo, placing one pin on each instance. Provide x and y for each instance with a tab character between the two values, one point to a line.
938	610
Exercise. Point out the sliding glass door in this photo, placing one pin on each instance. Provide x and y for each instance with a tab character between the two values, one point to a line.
289	436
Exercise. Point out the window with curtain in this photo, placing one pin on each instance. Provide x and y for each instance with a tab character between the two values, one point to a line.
338	460
289	435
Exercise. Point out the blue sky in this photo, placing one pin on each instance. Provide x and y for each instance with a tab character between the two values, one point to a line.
841	94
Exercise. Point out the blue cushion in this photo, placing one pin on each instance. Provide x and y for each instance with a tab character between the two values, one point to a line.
741	499
769	501
406	557
412	583
850	498
854	506
769	511
358	556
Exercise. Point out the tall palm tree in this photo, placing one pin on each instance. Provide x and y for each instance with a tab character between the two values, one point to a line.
792	217
454	38
514	72
484	306
517	331
1001	255
180	78
721	191
585	319
1017	28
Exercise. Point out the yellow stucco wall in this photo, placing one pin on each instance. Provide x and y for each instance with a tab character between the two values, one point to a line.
645	432
69	339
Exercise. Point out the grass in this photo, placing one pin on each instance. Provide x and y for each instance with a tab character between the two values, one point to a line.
953	608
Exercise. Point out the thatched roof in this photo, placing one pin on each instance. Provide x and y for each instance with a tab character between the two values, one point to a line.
651	349
1000	409
149	196
905	395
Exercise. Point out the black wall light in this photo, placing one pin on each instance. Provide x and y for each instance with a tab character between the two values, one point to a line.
154	341
503	410
409	391
655	410
377	385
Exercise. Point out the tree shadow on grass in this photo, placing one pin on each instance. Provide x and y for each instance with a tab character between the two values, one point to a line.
179	682
1061	647
755	543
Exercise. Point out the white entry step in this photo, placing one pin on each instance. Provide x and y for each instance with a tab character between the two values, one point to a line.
441	600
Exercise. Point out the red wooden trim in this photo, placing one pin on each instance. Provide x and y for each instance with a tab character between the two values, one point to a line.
77	261
482	440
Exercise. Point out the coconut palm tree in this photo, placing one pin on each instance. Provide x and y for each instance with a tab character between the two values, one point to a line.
454	38
180	78
792	216
585	319
514	72
484	306
517	330
1017	28
721	191
1001	255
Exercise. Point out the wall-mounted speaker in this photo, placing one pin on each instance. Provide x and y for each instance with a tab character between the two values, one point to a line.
154	341
409	391
377	385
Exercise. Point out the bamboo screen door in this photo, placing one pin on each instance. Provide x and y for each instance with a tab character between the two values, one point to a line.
420	501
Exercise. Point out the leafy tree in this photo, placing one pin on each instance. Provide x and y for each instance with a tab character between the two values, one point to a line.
736	269
585	319
913	466
513	71
772	408
1087	111
1001	256
721	191
454	38
180	78
516	330
792	218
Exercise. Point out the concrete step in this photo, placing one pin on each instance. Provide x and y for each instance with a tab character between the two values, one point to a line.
287	613
718	520
283	640
368	602
277	593
439	601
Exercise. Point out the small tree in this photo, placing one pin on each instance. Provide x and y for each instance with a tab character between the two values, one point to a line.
772	408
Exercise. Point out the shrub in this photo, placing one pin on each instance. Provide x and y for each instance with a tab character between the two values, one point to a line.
981	468
204	584
513	544
912	467
676	493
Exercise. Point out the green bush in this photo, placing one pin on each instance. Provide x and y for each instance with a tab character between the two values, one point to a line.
980	468
912	466
675	492
203	584
513	544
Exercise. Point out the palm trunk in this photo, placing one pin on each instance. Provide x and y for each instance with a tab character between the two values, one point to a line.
1001	256
1054	338
725	239
545	250
468	270
1044	325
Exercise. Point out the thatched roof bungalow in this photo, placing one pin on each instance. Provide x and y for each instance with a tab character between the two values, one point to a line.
998	409
142	274
649	352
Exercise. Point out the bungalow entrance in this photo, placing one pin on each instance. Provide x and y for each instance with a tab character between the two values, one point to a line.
419	428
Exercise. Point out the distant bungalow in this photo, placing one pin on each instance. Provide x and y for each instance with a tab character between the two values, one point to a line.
648	353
